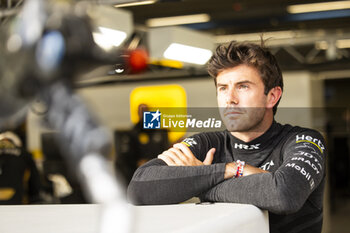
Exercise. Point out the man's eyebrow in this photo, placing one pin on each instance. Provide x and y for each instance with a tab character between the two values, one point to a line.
237	83
244	81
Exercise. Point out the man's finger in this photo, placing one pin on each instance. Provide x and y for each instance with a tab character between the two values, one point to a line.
209	157
173	156
184	149
179	154
166	159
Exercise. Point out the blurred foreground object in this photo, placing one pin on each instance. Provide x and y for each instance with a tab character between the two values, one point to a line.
47	45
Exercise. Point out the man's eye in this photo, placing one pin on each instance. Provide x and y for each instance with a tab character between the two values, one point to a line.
243	86
222	88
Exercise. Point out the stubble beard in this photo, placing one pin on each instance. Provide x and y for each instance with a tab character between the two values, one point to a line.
249	120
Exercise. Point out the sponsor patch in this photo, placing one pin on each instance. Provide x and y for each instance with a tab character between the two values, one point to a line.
247	147
189	142
302	171
267	165
308	139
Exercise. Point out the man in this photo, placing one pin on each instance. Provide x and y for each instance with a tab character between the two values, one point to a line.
19	176
279	168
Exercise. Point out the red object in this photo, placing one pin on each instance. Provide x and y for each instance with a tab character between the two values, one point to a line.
240	168
138	60
237	7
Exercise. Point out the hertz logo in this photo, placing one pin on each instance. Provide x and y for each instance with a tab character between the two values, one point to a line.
315	141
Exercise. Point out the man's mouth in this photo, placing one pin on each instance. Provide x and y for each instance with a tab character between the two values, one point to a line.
232	113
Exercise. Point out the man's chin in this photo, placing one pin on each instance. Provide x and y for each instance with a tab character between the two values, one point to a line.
241	125
235	127
236	130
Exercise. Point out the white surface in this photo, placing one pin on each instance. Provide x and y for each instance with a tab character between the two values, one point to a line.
49	219
192	218
184	218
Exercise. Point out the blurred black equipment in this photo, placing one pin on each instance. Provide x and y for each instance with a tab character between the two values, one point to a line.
43	49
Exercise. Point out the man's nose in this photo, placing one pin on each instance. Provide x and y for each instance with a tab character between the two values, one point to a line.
231	97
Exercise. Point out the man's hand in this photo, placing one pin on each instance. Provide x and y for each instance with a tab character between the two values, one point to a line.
181	155
231	170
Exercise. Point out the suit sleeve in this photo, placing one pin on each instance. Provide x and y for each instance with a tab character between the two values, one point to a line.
285	190
156	183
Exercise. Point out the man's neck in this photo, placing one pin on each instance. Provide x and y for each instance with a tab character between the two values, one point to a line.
259	130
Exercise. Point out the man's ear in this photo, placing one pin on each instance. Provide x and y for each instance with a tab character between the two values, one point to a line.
273	96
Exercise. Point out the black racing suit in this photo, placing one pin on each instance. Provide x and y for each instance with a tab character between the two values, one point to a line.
292	191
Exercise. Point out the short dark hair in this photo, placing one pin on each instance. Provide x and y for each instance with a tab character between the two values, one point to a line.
235	53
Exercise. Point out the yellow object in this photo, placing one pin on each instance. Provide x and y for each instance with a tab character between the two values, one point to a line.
185	143
143	138
167	63
37	154
169	99
6	193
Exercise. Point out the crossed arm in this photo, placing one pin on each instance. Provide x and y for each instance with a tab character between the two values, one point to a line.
178	175
181	155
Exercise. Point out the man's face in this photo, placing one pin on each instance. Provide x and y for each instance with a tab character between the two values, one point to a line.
241	98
